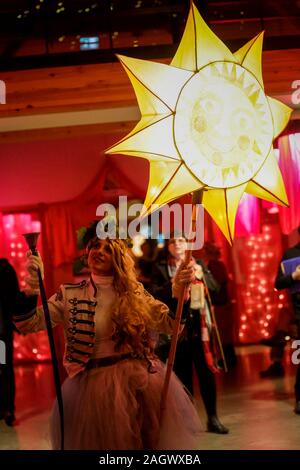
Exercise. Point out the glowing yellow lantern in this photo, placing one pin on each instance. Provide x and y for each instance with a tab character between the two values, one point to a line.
206	123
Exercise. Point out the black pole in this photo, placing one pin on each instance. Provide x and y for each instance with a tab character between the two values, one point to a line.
54	360
53	354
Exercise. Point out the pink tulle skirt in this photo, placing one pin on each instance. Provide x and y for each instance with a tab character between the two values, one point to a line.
117	408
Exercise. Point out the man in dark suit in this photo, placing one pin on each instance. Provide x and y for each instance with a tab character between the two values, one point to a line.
9	290
285	281
12	302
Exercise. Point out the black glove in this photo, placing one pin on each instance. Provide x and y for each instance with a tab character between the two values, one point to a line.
24	305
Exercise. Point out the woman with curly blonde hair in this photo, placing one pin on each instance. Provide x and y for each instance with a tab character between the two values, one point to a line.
113	390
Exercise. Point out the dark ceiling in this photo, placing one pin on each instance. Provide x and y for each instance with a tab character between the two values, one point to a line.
59	32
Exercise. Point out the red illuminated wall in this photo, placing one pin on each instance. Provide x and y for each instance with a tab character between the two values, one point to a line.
260	305
13	247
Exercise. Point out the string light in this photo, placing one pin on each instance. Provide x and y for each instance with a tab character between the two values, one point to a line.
260	298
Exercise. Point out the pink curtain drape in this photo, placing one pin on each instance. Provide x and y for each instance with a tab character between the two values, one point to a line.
61	220
248	216
289	162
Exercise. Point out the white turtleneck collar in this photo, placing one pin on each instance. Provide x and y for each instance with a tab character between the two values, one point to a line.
102	281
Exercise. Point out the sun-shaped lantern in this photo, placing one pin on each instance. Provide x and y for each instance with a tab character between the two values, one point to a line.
206	123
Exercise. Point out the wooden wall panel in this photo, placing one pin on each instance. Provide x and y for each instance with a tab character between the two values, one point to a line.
102	86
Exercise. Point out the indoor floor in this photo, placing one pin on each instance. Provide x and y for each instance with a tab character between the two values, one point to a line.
259	412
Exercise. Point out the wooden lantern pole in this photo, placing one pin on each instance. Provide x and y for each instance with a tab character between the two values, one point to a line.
31	239
197	199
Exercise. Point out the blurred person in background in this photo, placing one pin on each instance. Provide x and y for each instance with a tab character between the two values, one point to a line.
195	347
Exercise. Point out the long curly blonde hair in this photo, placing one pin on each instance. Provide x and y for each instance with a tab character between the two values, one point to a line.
132	316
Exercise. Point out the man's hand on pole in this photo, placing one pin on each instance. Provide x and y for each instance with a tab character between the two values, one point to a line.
184	276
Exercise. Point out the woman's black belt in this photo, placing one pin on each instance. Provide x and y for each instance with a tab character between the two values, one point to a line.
108	360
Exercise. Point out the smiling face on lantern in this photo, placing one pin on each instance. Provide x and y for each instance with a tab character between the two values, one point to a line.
220	131
229	125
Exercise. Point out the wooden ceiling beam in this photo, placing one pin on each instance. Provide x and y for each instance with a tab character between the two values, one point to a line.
104	86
